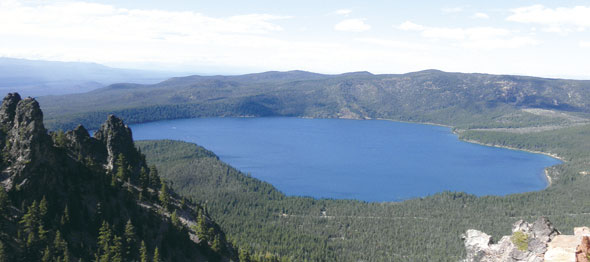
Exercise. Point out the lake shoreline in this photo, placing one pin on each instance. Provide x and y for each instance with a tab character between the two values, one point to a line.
545	171
444	131
547	176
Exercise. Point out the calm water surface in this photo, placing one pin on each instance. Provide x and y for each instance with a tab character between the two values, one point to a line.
371	160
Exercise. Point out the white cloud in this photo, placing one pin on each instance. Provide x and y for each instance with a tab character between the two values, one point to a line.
585	44
344	12
455	33
82	31
480	15
352	25
409	26
81	20
472	37
472	33
496	43
388	43
559	20
457	9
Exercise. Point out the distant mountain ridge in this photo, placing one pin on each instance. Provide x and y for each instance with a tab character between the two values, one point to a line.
37	77
423	96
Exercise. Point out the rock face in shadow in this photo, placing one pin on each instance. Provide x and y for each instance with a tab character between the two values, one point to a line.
82	146
8	109
527	243
26	146
117	138
28	150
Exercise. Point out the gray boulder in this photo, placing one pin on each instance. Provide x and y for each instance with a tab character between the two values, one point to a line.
480	248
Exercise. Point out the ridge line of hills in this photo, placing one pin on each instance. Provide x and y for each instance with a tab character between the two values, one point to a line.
456	99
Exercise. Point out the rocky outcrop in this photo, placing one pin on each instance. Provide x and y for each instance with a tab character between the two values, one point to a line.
113	138
72	174
8	109
568	248
26	147
117	138
583	250
527	243
84	147
477	244
28	150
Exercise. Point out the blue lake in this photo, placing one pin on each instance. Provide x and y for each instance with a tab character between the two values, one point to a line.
371	160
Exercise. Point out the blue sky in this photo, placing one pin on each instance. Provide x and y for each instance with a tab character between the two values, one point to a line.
541	38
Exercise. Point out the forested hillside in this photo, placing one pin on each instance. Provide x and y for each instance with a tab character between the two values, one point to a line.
72	197
468	100
255	214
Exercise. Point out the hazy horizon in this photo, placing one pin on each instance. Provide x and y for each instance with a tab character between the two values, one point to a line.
536	38
230	73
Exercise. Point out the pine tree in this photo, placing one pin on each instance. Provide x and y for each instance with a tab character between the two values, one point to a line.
43	208
210	233
157	255
30	240
201	228
59	138
66	255
65	217
164	196
129	186
130	241
216	245
31	219
30	222
114	181
244	256
42	233
144	178
59	244
104	242
46	255
143	253
122	170
175	220
117	249
3	255
4	202
154	177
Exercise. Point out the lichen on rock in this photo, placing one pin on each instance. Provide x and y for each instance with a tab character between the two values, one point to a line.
527	243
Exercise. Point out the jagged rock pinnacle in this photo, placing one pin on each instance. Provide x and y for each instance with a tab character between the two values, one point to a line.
8	109
25	137
118	140
28	114
79	142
